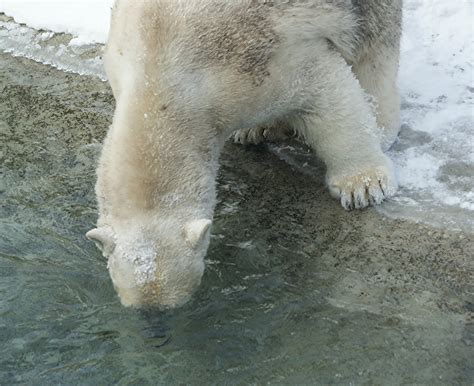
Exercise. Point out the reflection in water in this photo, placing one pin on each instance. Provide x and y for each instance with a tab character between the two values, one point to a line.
296	289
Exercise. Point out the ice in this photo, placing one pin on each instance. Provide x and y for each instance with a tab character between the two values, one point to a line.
49	48
86	20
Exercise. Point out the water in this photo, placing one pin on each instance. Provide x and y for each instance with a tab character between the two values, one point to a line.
296	290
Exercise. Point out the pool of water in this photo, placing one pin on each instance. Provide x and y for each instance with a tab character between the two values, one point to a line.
296	290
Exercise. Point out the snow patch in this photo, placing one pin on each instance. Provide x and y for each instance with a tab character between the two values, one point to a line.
86	20
434	158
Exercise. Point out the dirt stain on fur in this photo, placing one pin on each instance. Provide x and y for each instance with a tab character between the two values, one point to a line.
246	43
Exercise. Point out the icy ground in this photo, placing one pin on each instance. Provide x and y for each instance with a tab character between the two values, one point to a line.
434	157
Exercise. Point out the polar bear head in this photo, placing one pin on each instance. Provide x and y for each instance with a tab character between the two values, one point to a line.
158	262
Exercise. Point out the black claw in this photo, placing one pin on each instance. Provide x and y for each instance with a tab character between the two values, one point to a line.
381	188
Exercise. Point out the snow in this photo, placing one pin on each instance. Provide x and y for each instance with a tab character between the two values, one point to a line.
434	158
88	20
435	161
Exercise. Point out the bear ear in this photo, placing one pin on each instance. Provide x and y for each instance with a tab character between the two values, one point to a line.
195	230
103	238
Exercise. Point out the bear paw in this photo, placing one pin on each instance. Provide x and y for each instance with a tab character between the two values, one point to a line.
275	133
249	136
367	187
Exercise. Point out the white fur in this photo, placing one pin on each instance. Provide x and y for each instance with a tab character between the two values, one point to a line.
185	75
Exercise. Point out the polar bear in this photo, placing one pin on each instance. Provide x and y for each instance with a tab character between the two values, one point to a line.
186	74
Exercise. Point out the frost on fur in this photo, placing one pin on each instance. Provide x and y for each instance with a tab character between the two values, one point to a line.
187	74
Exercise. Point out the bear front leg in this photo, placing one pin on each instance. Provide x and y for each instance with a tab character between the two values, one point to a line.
342	128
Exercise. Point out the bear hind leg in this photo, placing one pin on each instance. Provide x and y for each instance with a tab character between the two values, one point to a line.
377	72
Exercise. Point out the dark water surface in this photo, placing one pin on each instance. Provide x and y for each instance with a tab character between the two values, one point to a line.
296	291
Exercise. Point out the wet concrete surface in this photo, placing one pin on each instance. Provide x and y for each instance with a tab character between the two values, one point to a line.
297	290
